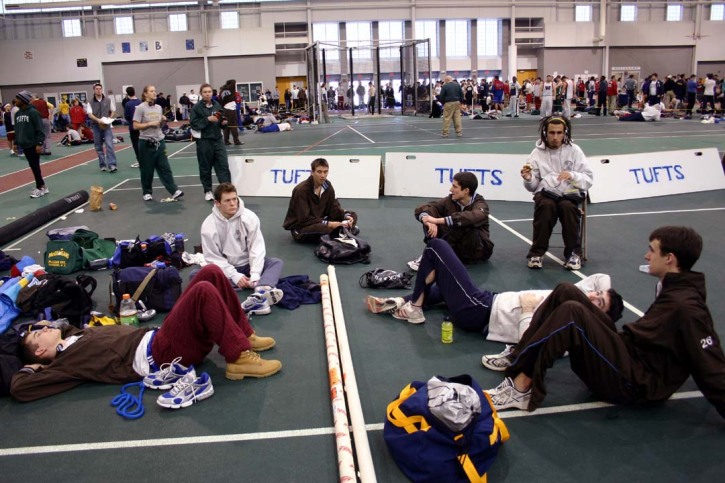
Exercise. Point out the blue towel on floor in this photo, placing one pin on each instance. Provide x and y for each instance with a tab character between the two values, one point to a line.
298	289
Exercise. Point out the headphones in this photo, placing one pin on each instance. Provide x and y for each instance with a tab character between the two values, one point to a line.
558	120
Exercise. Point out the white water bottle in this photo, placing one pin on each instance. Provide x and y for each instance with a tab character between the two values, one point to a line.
128	312
644	268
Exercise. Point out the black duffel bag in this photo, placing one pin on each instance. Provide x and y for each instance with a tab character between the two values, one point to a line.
342	247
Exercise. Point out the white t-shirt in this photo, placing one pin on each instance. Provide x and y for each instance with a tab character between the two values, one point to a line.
709	87
569	89
653	88
193	98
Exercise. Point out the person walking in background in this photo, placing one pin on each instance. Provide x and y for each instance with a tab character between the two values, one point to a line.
148	118
30	136
206	122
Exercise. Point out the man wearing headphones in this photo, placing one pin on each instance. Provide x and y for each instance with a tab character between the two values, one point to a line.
558	174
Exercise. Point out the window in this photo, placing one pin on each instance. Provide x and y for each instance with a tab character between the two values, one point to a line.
359	38
229	20
628	13
124	25
329	35
583	13
72	27
389	36
177	22
674	13
428	29
489	37
717	11
457	38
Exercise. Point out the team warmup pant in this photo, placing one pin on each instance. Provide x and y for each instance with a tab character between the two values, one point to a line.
270	272
312	233
568	321
152	157
566	108
546	212
468	305
601	105
34	163
232	126
211	153
691	97
46	129
134	135
207	313
636	116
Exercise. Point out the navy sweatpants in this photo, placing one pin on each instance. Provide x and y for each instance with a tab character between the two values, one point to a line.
469	306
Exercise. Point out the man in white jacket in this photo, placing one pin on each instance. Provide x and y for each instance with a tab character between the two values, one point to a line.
558	174
505	316
231	238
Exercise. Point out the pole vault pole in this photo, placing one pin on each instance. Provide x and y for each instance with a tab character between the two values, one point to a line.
357	421
345	458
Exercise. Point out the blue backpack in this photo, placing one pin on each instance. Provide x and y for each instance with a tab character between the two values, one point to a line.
427	451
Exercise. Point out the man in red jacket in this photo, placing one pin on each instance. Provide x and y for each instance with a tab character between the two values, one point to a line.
648	360
612	91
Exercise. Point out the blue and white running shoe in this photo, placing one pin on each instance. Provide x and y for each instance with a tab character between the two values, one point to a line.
188	390
167	375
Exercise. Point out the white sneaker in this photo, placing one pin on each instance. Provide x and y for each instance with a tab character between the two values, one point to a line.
415	264
177	194
38	192
271	295
256	304
208	196
573	263
134	165
410	313
499	362
148	197
535	262
380	305
506	396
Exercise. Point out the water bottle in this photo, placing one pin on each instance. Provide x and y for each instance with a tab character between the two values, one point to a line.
128	312
447	332
644	268
179	243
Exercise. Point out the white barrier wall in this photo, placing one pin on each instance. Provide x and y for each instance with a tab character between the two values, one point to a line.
351	176
431	174
644	175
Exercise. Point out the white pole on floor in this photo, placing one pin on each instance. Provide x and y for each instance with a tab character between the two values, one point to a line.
345	459
357	421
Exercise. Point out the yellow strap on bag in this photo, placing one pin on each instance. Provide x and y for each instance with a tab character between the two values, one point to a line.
469	467
399	419
499	428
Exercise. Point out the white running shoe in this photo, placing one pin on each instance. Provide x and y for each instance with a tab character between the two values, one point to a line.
506	396
499	362
410	313
380	305
208	196
415	264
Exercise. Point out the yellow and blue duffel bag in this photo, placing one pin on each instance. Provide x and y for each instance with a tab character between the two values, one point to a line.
425	447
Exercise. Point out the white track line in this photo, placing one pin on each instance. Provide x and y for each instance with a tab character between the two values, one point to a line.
297	433
631	213
579	274
361	134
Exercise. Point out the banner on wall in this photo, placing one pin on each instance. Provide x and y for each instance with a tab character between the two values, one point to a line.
645	175
431	174
351	176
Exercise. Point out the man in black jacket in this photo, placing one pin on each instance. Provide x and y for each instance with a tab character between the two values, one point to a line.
313	208
461	218
648	360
